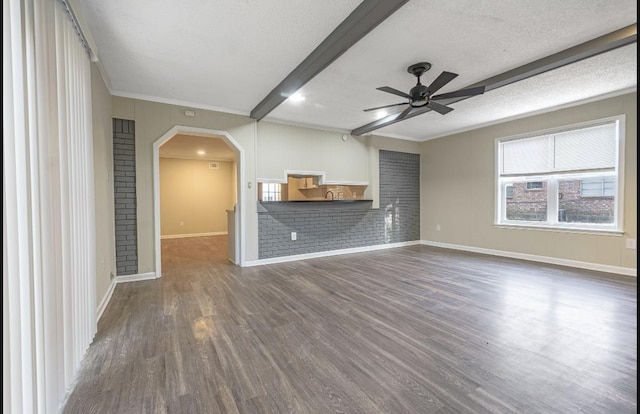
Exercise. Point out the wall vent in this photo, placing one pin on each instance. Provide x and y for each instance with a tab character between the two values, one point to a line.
214	165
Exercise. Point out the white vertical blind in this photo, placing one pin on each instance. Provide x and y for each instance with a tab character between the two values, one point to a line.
18	385
49	305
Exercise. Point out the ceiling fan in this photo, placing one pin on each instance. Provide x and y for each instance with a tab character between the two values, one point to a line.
421	97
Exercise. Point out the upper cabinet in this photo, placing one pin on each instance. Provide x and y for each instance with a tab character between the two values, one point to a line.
308	183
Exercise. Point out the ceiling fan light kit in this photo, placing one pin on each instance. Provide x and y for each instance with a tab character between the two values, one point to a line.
421	97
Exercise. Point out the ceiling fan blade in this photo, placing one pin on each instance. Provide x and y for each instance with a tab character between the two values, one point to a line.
462	92
387	120
443	109
443	79
389	89
385	106
404	113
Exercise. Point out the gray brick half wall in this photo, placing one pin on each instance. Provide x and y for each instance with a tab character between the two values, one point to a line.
397	219
124	188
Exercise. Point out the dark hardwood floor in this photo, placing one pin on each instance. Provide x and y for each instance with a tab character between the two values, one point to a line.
407	330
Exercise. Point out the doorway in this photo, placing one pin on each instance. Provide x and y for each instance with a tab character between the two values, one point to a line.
197	196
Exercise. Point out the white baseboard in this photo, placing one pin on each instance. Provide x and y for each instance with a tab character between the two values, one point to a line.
136	278
180	236
120	279
283	259
626	271
105	299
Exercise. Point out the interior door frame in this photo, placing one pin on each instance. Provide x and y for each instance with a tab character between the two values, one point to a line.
240	231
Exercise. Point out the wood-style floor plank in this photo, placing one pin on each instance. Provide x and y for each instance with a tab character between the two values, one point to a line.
407	330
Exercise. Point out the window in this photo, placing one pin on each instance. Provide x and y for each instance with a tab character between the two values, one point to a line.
598	187
271	192
568	178
509	191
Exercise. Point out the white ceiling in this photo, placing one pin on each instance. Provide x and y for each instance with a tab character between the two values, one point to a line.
229	54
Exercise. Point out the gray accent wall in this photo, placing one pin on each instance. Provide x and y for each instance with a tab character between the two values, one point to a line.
400	195
323	228
124	188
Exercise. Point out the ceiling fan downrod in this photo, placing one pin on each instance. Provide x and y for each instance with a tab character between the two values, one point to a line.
419	93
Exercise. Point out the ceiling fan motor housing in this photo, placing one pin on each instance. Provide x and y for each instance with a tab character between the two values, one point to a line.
419	95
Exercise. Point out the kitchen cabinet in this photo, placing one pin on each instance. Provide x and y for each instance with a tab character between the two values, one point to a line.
306	183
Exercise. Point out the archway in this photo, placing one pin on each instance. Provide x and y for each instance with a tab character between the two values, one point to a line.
239	234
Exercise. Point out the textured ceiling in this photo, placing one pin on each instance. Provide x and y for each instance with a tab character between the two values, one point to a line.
229	54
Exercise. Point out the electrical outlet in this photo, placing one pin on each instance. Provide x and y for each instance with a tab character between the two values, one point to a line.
112	275
294	235
181	223
438	227
630	244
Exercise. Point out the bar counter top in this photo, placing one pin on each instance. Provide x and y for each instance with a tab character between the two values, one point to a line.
265	206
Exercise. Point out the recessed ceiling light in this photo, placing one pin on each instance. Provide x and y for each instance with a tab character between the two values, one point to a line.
296	97
200	152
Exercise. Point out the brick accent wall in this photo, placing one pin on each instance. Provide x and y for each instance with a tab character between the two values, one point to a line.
124	187
400	195
324	229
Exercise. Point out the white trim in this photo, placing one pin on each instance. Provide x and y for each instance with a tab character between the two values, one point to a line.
136	278
106	299
283	259
354	183
558	229
180	236
626	271
240	237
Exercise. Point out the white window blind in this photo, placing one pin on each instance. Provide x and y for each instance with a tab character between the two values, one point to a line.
526	156
586	149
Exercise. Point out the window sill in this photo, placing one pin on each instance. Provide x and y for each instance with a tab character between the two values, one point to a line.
606	232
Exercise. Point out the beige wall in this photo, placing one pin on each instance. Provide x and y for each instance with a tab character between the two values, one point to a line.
458	186
103	182
152	121
285	147
193	197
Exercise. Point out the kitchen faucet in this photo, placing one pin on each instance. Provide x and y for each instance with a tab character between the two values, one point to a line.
325	196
